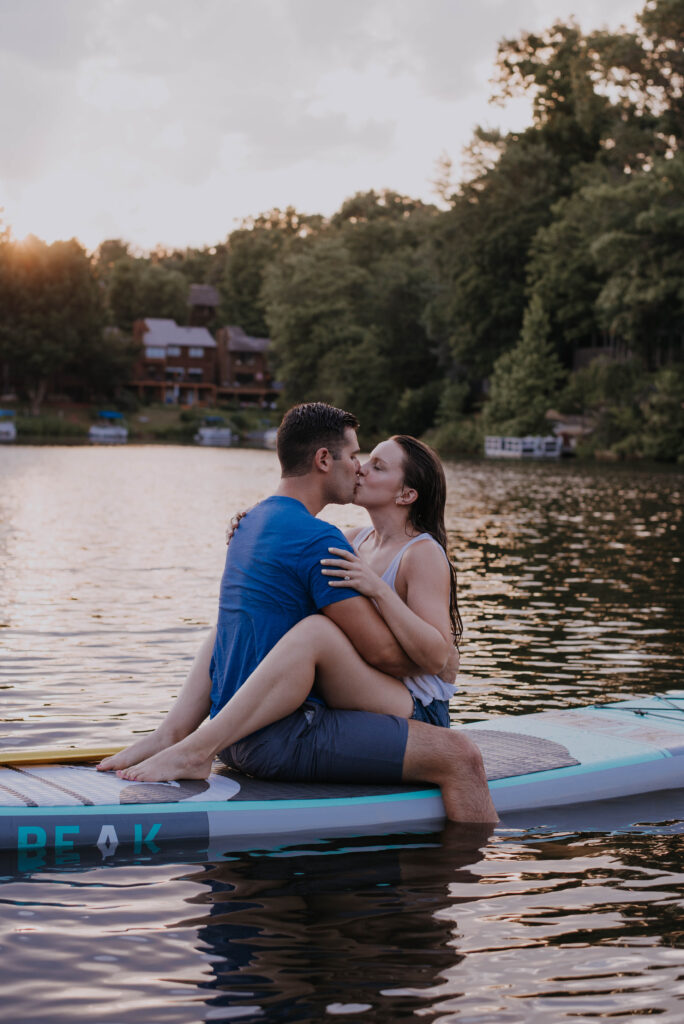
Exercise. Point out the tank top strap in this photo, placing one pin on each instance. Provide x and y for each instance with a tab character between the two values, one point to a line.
390	573
363	533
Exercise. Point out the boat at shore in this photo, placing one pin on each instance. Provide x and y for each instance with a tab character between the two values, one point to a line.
214	433
109	429
8	428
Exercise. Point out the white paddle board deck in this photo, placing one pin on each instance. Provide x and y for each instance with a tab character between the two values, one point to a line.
549	759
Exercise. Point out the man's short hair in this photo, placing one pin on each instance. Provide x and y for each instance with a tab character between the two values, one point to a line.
305	429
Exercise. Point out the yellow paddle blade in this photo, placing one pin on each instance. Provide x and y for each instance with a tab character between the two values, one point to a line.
42	756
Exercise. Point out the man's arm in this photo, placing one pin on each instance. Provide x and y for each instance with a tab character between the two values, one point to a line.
372	638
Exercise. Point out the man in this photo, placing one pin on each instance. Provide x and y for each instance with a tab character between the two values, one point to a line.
271	582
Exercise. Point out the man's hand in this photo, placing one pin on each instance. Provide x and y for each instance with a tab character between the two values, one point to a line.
449	669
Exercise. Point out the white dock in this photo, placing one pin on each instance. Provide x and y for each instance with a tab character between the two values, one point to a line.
523	447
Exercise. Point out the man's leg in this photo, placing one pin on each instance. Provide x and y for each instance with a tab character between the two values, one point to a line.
449	759
190	708
340	746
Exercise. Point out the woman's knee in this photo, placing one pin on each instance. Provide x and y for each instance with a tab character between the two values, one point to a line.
315	630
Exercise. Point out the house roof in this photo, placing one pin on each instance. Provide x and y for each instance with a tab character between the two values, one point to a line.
238	341
162	333
203	295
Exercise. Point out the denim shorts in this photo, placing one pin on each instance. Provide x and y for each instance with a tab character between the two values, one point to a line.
435	713
320	744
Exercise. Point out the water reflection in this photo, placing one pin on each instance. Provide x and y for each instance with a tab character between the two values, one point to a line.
572	582
279	927
571	588
565	925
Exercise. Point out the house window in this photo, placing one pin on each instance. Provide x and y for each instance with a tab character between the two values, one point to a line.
195	374
155	352
196	353
173	350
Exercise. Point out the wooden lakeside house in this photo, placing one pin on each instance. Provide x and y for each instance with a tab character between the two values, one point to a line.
176	364
203	300
243	372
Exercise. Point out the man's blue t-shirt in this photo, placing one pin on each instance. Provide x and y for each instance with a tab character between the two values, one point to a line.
272	580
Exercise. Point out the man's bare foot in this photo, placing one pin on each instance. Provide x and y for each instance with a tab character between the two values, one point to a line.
180	761
143	748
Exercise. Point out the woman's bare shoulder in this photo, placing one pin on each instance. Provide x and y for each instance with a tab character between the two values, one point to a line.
425	558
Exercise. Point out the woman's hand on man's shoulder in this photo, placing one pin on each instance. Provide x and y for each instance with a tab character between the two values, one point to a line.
234	522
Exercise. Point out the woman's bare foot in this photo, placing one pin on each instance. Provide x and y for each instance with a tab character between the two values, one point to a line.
181	761
143	748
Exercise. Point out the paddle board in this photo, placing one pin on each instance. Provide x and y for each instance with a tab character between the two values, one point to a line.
543	760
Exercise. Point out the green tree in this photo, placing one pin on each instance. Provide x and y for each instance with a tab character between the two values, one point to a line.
663	410
479	251
52	312
250	251
109	253
525	380
563	271
198	266
640	249
310	296
556	69
105	368
345	313
138	288
642	71
355	375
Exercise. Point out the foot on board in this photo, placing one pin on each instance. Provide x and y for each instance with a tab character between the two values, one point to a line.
139	751
176	762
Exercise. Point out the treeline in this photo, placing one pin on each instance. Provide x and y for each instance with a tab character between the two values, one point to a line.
566	239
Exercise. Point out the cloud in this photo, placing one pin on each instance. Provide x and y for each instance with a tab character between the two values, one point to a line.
46	35
153	116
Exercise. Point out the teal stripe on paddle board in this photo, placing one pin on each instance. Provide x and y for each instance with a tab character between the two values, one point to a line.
220	806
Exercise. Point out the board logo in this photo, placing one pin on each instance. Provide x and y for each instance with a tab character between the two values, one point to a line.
41	843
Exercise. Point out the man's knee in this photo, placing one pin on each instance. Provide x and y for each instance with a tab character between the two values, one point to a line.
458	748
443	751
465	752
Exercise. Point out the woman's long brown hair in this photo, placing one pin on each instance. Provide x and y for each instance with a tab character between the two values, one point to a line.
423	472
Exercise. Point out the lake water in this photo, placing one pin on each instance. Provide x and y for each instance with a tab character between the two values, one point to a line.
571	586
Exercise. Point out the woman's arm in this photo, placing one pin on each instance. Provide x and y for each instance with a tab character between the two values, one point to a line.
421	624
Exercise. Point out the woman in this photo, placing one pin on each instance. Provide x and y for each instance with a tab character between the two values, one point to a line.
401	564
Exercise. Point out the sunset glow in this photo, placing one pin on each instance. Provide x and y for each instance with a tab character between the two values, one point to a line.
169	122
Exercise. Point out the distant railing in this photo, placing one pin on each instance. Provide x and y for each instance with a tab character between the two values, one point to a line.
523	447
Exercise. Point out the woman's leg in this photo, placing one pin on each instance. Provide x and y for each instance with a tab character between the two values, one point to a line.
314	649
190	708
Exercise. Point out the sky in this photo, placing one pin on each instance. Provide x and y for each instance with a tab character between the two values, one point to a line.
166	122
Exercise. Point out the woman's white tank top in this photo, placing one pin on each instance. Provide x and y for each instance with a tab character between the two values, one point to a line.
424	688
